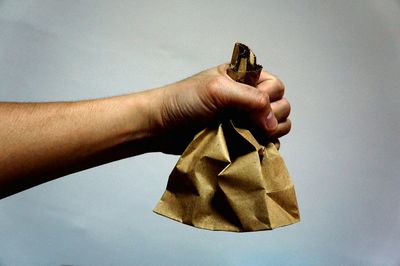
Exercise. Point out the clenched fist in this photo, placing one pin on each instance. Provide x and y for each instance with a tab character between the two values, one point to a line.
183	108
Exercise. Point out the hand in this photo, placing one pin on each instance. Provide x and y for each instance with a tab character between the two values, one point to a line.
188	106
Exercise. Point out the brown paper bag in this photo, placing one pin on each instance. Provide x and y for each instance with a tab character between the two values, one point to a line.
225	179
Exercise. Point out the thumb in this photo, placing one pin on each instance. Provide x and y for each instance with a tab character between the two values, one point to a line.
252	100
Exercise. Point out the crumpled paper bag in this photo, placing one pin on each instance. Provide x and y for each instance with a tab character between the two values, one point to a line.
225	179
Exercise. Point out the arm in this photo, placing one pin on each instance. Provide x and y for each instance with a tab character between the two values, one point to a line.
42	141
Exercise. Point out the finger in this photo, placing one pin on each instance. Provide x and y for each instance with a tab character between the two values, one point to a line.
253	100
264	116
281	109
282	129
272	85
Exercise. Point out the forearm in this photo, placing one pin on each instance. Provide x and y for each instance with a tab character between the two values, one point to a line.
43	141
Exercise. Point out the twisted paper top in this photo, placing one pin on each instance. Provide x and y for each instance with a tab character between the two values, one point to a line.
243	67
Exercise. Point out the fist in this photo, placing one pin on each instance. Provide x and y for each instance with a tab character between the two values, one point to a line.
192	104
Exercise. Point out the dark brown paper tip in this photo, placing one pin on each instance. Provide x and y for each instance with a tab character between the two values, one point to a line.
243	67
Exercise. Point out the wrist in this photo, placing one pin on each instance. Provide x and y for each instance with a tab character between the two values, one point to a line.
143	114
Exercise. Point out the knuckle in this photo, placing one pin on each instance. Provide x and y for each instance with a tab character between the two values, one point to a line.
218	92
213	86
280	86
286	105
262	100
216	82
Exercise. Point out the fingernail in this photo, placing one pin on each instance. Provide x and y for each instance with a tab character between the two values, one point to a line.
271	121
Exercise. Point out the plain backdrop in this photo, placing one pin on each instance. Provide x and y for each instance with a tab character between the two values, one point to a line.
340	61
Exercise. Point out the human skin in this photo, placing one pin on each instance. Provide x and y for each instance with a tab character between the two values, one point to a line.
43	141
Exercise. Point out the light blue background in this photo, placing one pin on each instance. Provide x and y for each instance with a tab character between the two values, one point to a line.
340	61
